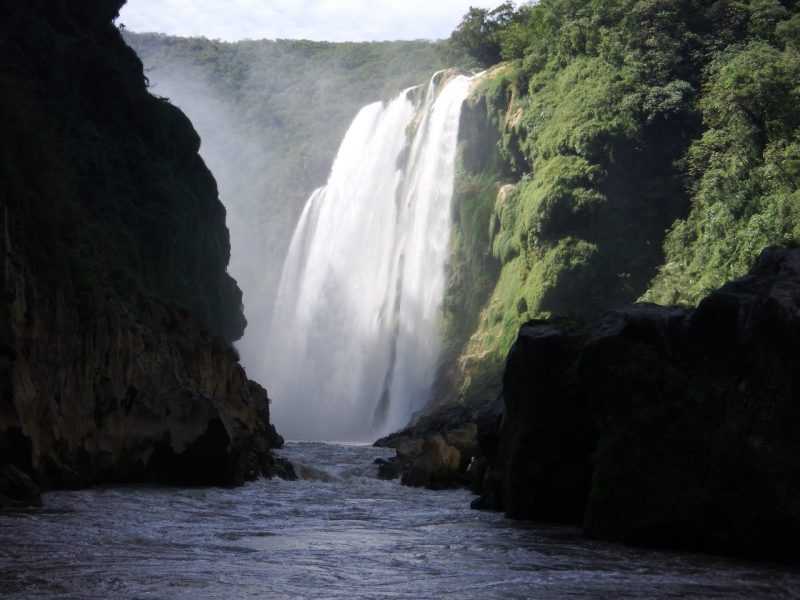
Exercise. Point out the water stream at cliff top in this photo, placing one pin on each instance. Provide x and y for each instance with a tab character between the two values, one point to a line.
355	338
354	537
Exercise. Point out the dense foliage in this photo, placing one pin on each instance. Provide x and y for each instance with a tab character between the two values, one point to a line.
744	172
482	34
619	121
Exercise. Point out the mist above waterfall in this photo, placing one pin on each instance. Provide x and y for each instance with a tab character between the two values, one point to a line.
271	115
355	337
236	154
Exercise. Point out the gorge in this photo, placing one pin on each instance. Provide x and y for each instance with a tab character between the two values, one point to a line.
456	247
118	313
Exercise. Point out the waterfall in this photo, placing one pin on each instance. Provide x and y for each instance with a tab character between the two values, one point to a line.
355	335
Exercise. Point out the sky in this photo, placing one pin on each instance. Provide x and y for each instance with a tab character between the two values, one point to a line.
331	20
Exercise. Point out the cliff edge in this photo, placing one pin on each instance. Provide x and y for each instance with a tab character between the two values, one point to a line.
660	425
116	310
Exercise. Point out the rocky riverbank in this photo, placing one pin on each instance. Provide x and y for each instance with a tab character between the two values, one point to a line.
660	425
653	425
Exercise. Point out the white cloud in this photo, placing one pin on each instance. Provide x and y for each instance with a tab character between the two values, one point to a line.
332	20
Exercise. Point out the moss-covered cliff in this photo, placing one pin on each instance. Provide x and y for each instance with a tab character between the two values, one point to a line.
116	311
625	149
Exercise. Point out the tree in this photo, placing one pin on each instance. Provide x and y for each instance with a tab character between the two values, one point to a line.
478	34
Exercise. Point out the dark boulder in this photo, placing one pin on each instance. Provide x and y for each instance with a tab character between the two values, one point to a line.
17	489
662	426
427	448
389	469
437	466
557	433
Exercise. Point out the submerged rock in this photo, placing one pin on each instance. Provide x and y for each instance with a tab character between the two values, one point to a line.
660	425
308	473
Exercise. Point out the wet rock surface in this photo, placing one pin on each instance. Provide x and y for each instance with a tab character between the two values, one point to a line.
431	457
660	425
469	430
436	466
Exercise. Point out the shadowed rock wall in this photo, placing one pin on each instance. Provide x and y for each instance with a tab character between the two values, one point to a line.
116	310
661	425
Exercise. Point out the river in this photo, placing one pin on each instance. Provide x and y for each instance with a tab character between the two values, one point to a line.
351	537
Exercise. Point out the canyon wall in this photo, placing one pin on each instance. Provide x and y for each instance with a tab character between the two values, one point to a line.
117	310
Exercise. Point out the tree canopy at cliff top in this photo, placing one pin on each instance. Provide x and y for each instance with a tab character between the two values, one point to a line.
654	146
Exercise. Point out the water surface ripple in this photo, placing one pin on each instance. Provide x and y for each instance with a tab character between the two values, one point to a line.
354	537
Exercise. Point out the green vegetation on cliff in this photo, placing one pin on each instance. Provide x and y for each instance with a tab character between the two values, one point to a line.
653	148
744	171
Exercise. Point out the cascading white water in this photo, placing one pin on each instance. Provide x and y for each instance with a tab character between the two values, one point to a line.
355	338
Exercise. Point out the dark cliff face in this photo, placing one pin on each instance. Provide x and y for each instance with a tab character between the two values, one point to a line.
116	311
661	425
104	183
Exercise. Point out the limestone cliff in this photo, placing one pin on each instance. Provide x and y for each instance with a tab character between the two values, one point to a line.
116	311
